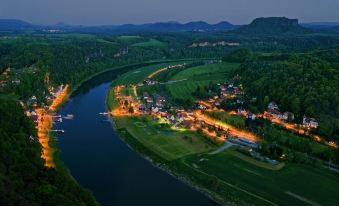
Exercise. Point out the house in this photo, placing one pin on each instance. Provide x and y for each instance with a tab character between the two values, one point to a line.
236	90
251	116
155	109
160	99
145	95
288	116
140	84
149	100
273	106
222	88
158	104
223	91
275	114
142	107
310	122
150	82
239	101
242	111
202	107
17	81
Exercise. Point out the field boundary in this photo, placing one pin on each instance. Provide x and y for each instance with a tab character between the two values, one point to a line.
303	199
232	185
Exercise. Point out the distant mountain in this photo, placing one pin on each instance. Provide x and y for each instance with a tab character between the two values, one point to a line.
18	25
320	25
160	27
335	29
15	25
272	26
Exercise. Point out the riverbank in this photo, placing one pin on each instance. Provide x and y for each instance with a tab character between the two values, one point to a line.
164	165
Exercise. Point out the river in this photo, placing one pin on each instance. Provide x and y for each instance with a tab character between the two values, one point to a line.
100	161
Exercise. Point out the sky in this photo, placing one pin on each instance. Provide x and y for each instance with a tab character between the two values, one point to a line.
104	12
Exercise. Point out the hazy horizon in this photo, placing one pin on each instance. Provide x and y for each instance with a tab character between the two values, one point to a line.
116	12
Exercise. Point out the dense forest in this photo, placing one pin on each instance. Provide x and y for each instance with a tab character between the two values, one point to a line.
24	180
303	83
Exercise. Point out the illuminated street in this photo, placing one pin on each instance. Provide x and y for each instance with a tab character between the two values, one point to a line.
45	124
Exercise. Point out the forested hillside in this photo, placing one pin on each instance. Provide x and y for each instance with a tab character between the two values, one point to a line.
24	180
303	83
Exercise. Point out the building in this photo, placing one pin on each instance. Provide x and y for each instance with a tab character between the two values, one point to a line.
288	116
273	106
275	114
242	111
251	116
310	122
142	107
149	100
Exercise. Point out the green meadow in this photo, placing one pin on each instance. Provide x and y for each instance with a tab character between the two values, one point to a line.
189	79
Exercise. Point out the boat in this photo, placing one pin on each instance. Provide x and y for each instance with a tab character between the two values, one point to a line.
69	116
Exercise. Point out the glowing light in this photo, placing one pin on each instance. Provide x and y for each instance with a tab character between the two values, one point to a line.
45	124
59	99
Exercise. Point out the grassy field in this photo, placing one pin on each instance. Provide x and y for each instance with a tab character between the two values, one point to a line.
168	144
150	43
135	76
291	185
201	75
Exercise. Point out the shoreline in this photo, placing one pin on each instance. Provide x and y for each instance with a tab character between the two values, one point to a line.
165	168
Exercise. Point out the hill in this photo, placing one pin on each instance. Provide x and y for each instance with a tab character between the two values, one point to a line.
18	25
23	178
15	25
158	27
320	25
335	29
272	26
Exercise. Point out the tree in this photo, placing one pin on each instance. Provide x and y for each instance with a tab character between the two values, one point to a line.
295	105
238	56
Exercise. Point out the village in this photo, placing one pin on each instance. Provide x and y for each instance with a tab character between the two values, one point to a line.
163	110
44	117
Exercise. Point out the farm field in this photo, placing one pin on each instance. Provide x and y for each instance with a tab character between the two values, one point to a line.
190	78
150	43
135	76
168	144
298	184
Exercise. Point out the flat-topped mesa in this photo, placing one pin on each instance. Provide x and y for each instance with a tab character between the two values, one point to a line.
273	25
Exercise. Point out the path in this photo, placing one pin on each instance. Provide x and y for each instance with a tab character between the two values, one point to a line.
222	148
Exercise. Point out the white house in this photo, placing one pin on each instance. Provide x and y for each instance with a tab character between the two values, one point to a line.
310	122
273	106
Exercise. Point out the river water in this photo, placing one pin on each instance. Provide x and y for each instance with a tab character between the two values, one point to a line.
104	164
